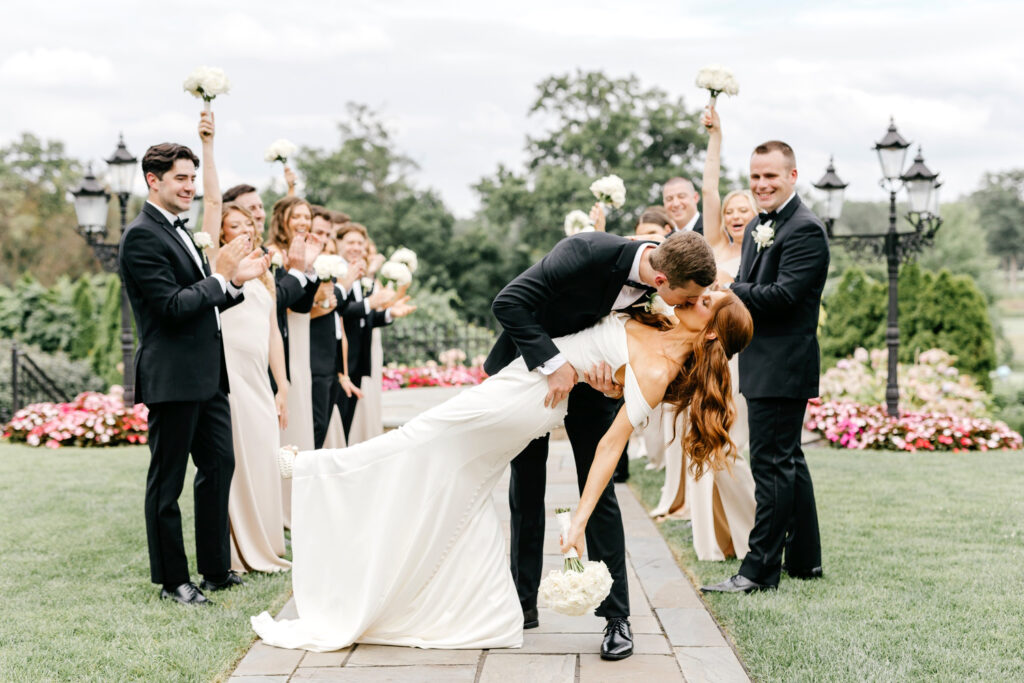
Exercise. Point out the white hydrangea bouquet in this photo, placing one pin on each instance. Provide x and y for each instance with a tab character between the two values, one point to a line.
580	587
395	272
330	267
206	82
576	221
280	150
609	190
717	79
406	256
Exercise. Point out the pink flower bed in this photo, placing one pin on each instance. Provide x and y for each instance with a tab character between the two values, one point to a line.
92	419
431	375
857	426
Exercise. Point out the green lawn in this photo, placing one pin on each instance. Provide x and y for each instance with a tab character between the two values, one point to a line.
924	573
74	577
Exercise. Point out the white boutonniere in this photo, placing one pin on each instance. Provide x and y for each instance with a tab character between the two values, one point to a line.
764	237
366	283
277	261
655	304
202	241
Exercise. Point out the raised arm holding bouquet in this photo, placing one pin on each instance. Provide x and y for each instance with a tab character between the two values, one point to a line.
206	82
717	80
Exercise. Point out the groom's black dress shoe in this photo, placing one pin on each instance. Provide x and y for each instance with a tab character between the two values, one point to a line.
186	594
618	639
230	581
812	573
530	618
736	584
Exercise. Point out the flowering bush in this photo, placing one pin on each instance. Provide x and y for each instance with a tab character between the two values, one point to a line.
92	419
931	385
853	425
432	375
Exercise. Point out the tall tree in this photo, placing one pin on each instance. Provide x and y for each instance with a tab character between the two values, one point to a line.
1000	203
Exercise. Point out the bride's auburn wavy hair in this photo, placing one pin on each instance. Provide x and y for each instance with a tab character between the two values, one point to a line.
704	382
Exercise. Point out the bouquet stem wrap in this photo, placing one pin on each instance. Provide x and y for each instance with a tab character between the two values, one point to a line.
580	587
572	558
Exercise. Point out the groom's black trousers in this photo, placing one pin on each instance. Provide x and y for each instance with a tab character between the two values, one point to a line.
176	429
590	414
786	516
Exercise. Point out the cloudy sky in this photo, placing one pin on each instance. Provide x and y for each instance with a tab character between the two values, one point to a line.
455	79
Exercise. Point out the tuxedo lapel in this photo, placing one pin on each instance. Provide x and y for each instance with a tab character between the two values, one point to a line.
779	230
618	275
160	220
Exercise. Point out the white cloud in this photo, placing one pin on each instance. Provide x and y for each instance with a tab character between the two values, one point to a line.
60	67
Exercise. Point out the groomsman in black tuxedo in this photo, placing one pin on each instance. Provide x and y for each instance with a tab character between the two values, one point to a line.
296	286
180	373
782	273
325	359
680	198
581	280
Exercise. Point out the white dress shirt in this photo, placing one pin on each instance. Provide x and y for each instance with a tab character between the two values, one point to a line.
693	222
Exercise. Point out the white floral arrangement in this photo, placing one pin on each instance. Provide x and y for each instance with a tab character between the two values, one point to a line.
576	222
280	150
406	256
330	267
394	271
277	261
609	190
764	237
206	82
717	79
367	284
580	587
202	240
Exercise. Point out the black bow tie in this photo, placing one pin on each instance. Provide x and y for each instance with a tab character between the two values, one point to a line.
768	217
181	223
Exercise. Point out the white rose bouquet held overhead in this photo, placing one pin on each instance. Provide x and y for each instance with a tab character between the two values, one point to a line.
717	79
206	82
406	256
280	150
609	190
330	267
576	221
395	272
580	587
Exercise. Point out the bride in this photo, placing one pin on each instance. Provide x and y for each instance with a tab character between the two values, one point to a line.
396	540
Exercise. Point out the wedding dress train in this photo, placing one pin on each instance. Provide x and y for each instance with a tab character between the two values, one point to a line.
397	541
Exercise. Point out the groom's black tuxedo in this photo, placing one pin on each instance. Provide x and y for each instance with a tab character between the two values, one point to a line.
571	288
781	285
291	294
180	375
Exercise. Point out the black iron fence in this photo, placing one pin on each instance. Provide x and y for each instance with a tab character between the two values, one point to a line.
28	384
412	343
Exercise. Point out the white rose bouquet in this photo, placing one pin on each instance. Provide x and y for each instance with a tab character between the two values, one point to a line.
207	82
406	256
609	190
576	221
580	587
280	150
717	79
396	272
330	266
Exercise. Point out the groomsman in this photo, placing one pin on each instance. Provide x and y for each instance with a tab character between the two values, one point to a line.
782	273
680	198
296	286
325	358
180	373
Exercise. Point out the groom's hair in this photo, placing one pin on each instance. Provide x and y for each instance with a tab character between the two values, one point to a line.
159	159
685	256
777	146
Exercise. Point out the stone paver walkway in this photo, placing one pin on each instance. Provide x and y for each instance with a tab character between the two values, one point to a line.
675	639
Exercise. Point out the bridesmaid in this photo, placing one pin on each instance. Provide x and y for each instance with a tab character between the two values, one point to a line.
292	216
722	503
252	341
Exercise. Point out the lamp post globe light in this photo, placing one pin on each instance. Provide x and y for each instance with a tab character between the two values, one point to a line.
91	207
922	195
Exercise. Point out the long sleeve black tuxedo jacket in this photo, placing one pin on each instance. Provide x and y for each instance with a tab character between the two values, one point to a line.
181	354
359	331
324	345
291	294
781	286
570	289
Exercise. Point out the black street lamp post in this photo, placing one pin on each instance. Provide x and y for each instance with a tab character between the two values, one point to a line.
91	206
921	184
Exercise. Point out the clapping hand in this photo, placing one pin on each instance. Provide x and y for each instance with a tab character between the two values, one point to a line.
303	251
230	256
252	265
600	377
401	308
376	261
381	297
206	127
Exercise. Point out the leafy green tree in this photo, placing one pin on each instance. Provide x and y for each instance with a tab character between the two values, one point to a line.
106	354
84	337
1000	203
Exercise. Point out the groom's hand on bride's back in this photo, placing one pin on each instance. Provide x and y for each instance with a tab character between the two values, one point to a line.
601	378
560	383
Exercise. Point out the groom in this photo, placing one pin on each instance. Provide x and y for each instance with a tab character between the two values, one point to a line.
782	273
180	373
581	280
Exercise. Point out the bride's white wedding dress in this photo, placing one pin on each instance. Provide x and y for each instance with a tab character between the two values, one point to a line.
396	540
